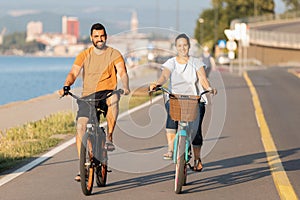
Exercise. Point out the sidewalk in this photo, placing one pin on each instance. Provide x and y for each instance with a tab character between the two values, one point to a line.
19	113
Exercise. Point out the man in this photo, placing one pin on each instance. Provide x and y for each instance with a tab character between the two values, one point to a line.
208	60
100	65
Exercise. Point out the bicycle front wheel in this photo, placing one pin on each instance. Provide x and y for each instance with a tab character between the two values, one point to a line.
180	168
86	167
101	175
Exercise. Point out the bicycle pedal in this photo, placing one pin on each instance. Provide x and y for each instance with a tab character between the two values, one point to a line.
190	166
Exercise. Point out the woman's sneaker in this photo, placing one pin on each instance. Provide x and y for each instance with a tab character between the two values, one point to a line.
168	155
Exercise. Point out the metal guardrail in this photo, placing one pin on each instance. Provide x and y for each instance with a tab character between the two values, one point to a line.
275	39
270	38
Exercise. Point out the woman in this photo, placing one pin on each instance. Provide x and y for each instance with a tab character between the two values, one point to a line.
187	76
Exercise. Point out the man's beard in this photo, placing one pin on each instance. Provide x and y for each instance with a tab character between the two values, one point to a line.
100	47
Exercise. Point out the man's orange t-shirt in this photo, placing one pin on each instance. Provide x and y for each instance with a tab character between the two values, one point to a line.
99	71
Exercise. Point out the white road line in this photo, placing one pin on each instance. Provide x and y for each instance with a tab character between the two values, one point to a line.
46	156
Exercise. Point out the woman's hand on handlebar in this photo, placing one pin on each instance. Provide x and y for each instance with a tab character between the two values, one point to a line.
153	87
213	91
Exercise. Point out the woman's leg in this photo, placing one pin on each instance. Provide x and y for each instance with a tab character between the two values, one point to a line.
171	127
198	140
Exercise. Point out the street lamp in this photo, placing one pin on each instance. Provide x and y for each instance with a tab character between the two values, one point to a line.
201	21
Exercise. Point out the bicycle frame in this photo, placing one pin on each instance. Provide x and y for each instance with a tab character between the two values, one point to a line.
93	155
182	133
181	152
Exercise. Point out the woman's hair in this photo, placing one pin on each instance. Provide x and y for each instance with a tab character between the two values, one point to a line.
98	26
183	36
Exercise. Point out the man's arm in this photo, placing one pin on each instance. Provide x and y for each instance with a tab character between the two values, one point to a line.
71	77
121	70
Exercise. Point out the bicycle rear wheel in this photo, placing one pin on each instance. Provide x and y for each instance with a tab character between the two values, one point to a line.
180	167
86	166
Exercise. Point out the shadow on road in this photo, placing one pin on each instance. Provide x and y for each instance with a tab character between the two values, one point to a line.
248	173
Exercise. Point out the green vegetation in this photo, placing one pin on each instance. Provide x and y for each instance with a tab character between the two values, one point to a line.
215	20
17	41
292	5
19	144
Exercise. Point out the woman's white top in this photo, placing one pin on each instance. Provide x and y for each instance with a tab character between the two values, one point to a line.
183	77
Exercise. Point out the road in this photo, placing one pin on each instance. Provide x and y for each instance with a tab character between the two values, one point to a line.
235	161
292	26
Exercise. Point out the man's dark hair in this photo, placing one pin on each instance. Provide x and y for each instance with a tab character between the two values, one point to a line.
98	26
183	36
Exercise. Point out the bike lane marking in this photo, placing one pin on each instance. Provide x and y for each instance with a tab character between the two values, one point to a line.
7	178
295	72
280	178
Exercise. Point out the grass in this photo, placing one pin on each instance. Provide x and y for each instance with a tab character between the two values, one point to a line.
19	144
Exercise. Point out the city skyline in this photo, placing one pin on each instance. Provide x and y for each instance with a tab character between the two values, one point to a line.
116	15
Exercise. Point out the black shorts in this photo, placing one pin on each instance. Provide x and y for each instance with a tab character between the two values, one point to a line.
97	108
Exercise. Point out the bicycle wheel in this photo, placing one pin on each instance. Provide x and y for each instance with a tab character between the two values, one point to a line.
86	167
101	175
180	167
101	169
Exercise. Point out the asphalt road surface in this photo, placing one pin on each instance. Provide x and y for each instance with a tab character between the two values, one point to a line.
235	163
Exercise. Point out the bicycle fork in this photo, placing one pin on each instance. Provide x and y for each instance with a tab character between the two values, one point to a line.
181	143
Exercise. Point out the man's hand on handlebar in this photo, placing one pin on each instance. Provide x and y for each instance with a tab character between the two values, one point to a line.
64	91
126	91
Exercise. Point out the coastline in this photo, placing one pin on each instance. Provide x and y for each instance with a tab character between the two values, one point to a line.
20	112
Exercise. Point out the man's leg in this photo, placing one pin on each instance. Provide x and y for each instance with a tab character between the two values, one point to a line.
81	129
112	115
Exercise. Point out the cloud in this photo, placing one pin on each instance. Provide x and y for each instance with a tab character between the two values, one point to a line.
18	13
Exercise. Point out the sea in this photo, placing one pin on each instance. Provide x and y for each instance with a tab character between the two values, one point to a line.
25	77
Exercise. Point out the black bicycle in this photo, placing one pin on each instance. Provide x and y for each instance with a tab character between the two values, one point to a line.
93	155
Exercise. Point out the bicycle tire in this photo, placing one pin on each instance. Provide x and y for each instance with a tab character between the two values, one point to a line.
180	167
101	156
101	175
86	168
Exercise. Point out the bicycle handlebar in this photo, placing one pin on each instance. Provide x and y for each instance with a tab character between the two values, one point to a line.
119	91
157	88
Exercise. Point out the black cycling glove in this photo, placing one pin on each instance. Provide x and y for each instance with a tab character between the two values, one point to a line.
66	90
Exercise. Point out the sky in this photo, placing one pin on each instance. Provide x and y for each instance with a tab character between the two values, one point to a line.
151	13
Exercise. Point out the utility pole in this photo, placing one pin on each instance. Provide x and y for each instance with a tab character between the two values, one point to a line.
216	16
177	15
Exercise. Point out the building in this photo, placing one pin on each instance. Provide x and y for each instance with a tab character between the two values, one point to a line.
134	22
34	30
70	26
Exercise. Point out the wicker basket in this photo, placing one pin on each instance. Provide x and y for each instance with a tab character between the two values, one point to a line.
184	107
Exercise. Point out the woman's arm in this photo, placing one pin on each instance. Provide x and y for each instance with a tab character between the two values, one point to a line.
164	77
204	81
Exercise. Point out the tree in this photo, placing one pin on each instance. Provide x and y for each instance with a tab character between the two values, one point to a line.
292	5
218	18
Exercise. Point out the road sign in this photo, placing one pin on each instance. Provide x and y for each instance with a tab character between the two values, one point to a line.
229	34
231	55
231	45
222	44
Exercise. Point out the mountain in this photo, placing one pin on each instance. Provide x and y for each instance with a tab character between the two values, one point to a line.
113	23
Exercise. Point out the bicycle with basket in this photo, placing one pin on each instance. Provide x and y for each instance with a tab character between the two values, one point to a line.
184	109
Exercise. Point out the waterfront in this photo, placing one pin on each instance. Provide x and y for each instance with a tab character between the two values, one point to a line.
23	78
